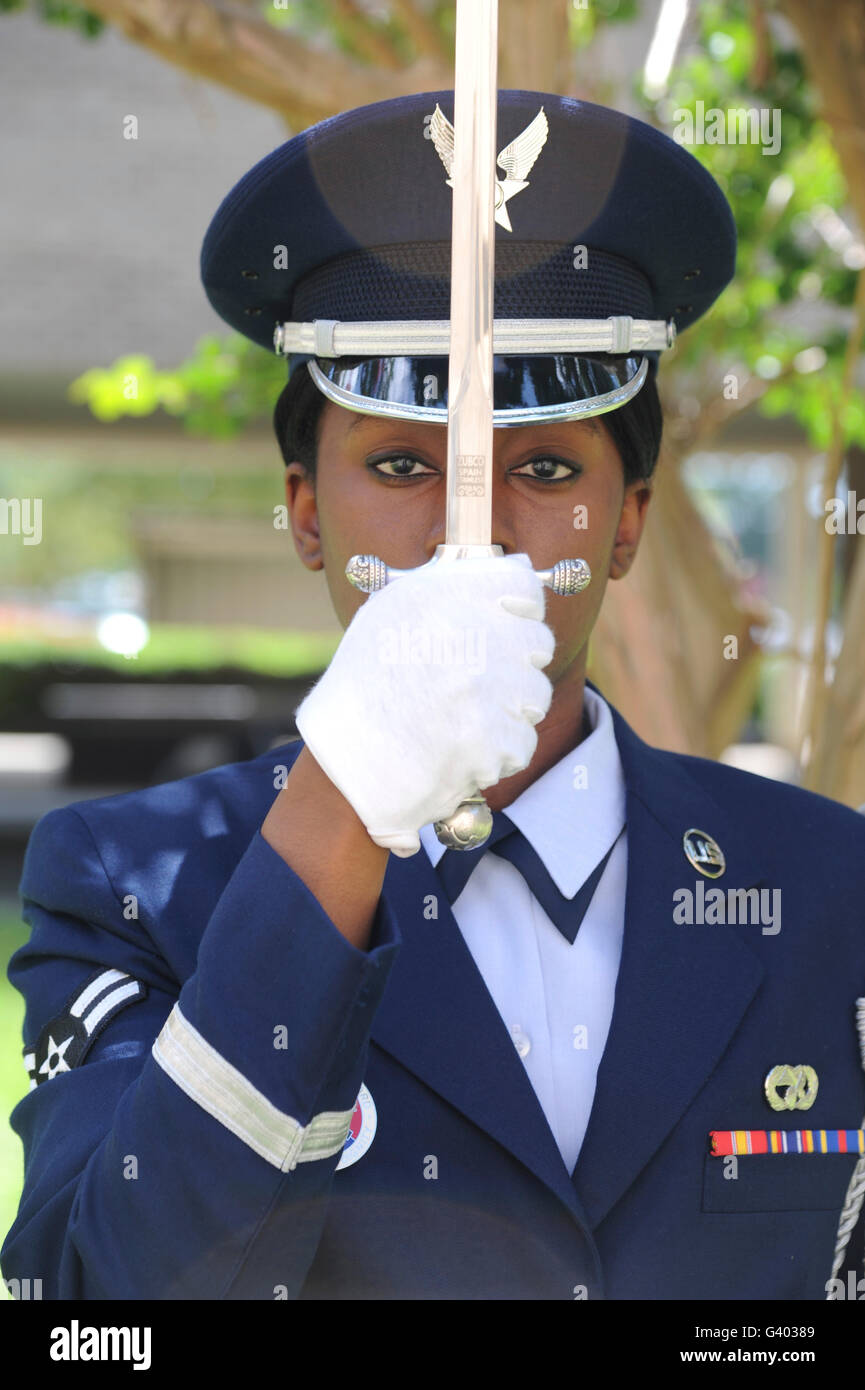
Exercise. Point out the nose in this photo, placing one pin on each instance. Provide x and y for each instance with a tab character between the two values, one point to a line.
501	534
502	527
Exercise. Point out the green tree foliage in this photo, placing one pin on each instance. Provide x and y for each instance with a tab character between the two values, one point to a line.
587	17
227	383
779	330
59	12
774	340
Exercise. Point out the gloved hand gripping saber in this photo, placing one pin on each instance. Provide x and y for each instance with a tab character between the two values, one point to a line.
468	529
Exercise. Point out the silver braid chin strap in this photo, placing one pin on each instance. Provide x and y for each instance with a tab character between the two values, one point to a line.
619	333
856	1191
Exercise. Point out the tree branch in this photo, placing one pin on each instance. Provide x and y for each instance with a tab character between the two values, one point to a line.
534	48
426	37
269	66
354	25
719	411
833	47
818	690
763	64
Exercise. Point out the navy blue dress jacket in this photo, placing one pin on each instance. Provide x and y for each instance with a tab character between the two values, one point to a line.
135	1189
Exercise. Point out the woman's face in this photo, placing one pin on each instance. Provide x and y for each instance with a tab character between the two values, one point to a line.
558	493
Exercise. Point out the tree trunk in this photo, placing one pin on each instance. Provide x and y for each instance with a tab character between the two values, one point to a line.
839	753
832	34
534	52
672	648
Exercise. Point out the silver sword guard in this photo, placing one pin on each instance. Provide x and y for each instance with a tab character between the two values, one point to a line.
471	823
369	574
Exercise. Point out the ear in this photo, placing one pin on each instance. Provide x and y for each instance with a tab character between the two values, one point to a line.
303	510
631	522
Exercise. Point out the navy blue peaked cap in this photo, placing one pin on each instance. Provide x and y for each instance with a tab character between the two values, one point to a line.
361	205
600	217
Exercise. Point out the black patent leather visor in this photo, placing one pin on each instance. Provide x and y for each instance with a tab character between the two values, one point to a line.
526	390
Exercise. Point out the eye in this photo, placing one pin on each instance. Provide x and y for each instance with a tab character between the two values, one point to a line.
548	469
403	466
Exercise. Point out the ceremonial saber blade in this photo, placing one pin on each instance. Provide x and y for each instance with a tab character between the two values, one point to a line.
468	525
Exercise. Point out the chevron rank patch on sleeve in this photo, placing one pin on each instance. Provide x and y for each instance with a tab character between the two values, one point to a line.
65	1041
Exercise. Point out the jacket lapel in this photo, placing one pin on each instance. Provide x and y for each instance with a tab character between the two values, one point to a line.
681	990
438	1019
680	995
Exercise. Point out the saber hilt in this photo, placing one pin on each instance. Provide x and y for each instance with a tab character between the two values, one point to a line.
471	823
369	574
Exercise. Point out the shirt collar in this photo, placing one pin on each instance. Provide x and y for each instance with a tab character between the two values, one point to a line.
574	812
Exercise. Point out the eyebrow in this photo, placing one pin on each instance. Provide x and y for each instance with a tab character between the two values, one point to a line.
360	419
363	419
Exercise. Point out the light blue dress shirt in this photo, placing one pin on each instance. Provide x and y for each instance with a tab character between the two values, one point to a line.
556	999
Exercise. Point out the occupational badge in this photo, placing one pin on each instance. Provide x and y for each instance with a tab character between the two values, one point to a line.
791	1088
704	853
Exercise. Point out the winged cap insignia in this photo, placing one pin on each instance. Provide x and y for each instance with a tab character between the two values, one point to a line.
515	160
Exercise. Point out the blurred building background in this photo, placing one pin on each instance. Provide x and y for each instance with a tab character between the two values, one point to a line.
101	240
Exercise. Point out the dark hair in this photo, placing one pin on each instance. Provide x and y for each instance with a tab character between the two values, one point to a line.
635	428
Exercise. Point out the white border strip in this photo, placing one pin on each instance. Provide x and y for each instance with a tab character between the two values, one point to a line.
227	1095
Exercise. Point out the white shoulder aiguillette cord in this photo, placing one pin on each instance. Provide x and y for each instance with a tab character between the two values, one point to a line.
856	1191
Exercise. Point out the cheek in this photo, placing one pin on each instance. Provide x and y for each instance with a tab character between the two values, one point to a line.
592	540
331	538
595	523
334	540
338	525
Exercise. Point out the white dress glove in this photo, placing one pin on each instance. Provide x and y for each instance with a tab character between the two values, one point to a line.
432	694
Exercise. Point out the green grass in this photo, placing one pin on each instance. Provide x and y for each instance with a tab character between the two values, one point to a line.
177	647
13	1077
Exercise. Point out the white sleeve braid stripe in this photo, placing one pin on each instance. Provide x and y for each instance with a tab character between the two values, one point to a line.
108	1001
227	1095
108	977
